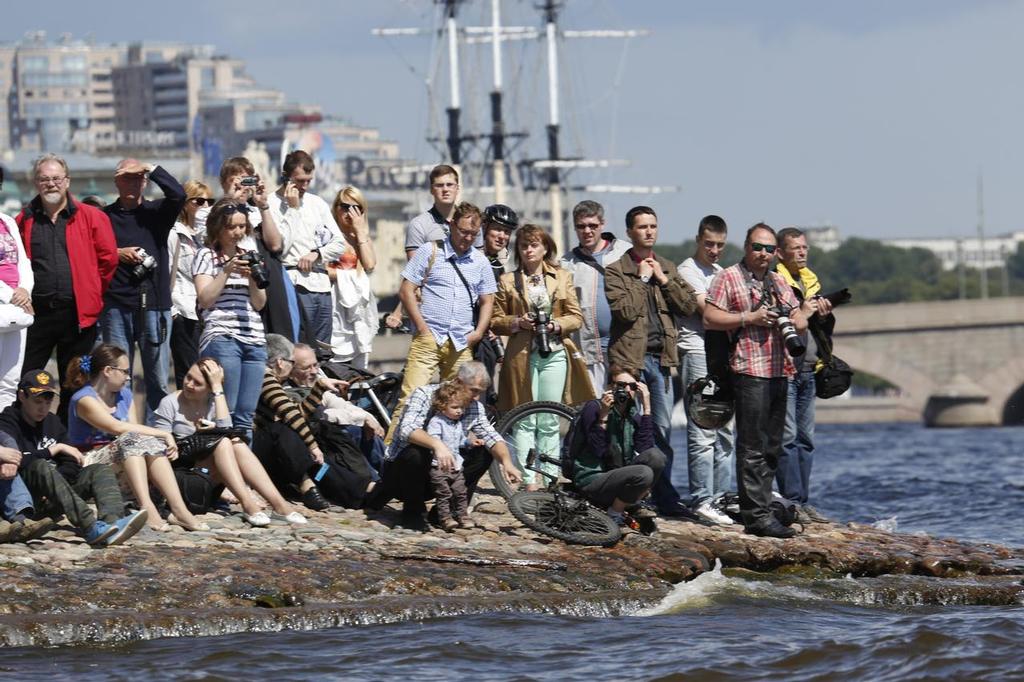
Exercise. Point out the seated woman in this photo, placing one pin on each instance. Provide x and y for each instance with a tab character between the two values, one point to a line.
615	461
101	424
287	446
533	371
199	404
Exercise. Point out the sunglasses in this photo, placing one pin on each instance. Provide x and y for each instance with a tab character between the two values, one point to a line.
345	208
203	201
757	246
230	209
631	385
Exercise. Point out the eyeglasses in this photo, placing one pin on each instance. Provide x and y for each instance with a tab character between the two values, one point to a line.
758	246
631	385
588	226
203	201
127	372
51	181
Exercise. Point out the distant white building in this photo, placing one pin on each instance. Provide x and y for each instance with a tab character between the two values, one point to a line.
968	250
825	237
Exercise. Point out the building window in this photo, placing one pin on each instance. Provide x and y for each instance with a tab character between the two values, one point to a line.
73	62
154	56
37	63
206	78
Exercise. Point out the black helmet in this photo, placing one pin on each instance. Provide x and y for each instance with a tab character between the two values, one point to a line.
708	411
501	214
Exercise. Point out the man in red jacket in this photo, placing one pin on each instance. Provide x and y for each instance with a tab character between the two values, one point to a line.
74	256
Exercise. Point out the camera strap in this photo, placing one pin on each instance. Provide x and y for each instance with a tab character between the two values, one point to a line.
473	301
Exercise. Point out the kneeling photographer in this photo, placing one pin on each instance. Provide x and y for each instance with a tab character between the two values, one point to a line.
614	459
764	319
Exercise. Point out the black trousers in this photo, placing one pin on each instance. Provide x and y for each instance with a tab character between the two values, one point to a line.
184	346
407	477
627	483
56	325
760	421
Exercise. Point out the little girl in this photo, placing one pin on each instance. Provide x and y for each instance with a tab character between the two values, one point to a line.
450	496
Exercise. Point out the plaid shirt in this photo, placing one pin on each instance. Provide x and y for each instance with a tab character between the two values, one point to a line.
447	307
760	351
417	411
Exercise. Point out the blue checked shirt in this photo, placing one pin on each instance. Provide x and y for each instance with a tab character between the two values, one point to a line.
417	408
446	305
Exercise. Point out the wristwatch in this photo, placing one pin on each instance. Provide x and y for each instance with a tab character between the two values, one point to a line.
645	279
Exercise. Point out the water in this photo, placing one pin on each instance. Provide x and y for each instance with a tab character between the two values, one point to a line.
965	483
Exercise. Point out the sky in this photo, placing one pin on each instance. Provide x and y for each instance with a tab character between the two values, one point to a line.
876	116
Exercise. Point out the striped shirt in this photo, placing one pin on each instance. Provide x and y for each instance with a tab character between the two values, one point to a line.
417	411
447	307
760	351
276	405
232	314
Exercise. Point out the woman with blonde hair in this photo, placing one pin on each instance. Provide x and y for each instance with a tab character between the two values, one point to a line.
539	293
101	424
355	307
183	242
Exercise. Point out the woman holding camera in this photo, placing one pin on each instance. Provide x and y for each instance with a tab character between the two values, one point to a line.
229	296
537	308
355	320
183	243
101	425
200	404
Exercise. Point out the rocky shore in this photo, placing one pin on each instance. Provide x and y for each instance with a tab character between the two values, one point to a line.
351	567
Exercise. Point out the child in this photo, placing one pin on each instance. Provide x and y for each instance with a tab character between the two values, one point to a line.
450	496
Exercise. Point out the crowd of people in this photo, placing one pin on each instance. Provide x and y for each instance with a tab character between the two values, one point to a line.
248	297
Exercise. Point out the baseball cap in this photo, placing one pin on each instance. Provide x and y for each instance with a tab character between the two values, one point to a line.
38	381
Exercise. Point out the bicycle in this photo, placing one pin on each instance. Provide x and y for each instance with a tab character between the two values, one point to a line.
558	510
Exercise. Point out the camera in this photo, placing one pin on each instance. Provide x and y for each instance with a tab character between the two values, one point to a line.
257	269
499	349
540	325
148	264
621	395
250	181
794	344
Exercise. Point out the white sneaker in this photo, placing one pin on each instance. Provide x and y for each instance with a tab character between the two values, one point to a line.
709	512
291	517
259	519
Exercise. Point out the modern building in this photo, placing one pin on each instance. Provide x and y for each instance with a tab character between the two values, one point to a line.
971	251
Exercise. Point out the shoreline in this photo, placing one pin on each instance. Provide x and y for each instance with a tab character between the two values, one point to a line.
352	568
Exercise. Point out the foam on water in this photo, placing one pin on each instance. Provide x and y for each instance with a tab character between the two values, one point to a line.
889	525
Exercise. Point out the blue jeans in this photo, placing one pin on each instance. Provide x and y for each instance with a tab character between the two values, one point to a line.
317	311
244	366
372	449
710	454
15	497
794	473
151	331
659	381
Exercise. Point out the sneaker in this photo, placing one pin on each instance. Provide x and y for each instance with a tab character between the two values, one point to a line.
813	515
708	511
771	529
128	526
100	532
314	500
291	517
676	511
258	520
618	517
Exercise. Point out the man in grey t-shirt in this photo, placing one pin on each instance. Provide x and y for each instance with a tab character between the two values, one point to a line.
710	452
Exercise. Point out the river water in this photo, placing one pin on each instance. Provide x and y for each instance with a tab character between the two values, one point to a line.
966	483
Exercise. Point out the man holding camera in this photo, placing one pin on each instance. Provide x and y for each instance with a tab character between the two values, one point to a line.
137	305
645	294
754	302
794	472
311	239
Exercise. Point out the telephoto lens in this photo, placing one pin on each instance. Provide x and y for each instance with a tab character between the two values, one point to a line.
541	320
794	344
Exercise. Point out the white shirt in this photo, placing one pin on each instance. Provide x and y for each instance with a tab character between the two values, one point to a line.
691	327
310	227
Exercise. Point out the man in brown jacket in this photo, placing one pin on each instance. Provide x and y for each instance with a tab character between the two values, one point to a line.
645	291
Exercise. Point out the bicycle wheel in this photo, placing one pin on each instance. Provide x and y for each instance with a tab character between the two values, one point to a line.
519	429
566	518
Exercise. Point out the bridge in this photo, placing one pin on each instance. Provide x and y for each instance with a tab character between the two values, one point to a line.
955	363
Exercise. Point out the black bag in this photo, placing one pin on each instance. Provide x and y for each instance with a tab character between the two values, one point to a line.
197	489
199	445
833	378
348	472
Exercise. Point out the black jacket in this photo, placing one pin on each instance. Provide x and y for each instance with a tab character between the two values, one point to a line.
35	441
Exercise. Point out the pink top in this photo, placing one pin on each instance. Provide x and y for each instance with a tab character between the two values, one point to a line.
10	253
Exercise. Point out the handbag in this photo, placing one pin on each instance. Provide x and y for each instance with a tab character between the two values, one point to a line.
198	490
200	444
834	376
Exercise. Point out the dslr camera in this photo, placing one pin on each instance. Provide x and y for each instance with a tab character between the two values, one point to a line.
540	322
141	270
257	268
794	344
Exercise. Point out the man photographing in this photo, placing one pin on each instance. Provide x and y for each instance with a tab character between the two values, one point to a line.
794	472
749	299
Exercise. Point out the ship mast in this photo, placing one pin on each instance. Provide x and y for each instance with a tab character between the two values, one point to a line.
455	108
497	125
550	9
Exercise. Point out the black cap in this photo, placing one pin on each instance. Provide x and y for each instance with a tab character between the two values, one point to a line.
37	382
502	215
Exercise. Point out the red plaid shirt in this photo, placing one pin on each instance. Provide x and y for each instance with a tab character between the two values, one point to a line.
760	351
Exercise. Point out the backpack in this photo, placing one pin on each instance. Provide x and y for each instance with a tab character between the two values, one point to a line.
197	489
